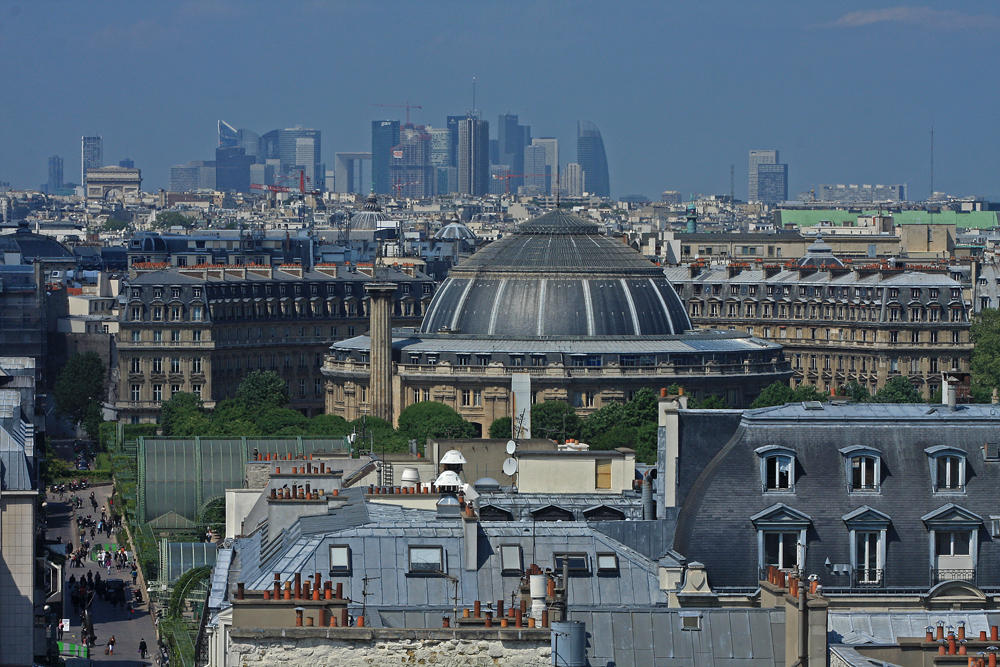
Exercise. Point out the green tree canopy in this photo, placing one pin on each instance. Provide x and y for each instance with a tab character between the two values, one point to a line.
856	392
281	421
898	389
80	383
502	427
554	419
430	419
179	407
985	364
260	390
329	425
779	393
166	219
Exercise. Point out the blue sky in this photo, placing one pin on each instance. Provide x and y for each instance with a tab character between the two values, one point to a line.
681	90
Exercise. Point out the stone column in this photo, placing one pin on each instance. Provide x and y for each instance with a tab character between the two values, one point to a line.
380	357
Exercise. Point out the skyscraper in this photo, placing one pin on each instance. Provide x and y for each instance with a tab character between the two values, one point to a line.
534	170
229	136
758	157
441	152
474	156
772	183
573	183
232	169
91	156
410	165
385	135
453	122
551	146
512	138
55	181
592	159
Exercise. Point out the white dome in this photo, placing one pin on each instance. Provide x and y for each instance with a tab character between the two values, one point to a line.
455	231
410	475
448	478
453	457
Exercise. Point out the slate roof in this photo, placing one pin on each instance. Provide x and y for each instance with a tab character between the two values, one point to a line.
728	489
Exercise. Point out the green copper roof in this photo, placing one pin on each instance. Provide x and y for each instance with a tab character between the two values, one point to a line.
972	220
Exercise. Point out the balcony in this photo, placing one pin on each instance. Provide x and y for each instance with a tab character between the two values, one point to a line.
867	577
953	574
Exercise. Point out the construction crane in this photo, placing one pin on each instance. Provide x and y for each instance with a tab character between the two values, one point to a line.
406	106
398	187
507	177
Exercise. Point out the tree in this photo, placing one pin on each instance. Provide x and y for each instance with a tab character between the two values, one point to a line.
114	225
430	419
180	407
603	420
642	408
554	419
166	219
807	392
985	365
857	392
80	383
710	402
502	427
281	421
776	393
329	425
898	389
260	390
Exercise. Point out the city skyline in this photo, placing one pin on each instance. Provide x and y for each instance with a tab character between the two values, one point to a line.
827	102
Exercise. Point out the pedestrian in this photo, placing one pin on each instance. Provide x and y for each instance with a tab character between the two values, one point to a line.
59	630
135	575
111	645
142	648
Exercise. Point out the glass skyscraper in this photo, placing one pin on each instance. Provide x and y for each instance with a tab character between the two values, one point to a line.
55	181
91	156
512	138
772	183
591	157
473	156
757	158
385	136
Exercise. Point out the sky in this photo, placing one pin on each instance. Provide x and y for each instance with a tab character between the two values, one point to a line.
847	91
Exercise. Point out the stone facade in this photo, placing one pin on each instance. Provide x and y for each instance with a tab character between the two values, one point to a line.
372	648
202	329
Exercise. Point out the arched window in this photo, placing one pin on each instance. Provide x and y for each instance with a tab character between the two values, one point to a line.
777	468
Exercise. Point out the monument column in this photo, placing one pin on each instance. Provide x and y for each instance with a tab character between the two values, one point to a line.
380	358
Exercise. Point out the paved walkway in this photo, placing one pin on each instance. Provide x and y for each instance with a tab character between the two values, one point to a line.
127	627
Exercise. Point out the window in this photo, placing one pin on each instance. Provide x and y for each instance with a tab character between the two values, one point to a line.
952	543
196	313
781	549
175	336
867	557
196	390
426	560
196	335
196	365
136	335
135	392
157	392
691	620
340	560
607	563
777	468
175	365
947	467
602	474
136	312
136	366
578	563
175	389
157	313
510	559
864	468
157	364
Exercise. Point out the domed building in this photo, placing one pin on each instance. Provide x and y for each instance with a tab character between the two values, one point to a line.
370	215
585	317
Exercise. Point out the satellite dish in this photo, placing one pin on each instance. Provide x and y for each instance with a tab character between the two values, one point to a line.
511	447
510	467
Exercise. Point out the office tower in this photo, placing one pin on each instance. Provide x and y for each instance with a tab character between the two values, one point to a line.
229	136
772	183
410	165
758	157
573	182
512	138
473	156
232	169
269	146
551	146
195	175
453	122
55	181
494	151
262	174
250	141
91	156
534	171
447	180
592	159
385	135
305	152
127	163
441	155
499	179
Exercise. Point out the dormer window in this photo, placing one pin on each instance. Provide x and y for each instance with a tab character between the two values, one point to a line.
777	468
947	468
863	467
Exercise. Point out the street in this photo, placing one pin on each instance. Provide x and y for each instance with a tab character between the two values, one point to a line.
127	626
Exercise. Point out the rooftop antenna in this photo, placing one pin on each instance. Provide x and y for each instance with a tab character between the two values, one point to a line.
475	111
931	196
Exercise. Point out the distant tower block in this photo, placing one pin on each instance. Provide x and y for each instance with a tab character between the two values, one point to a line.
380	331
